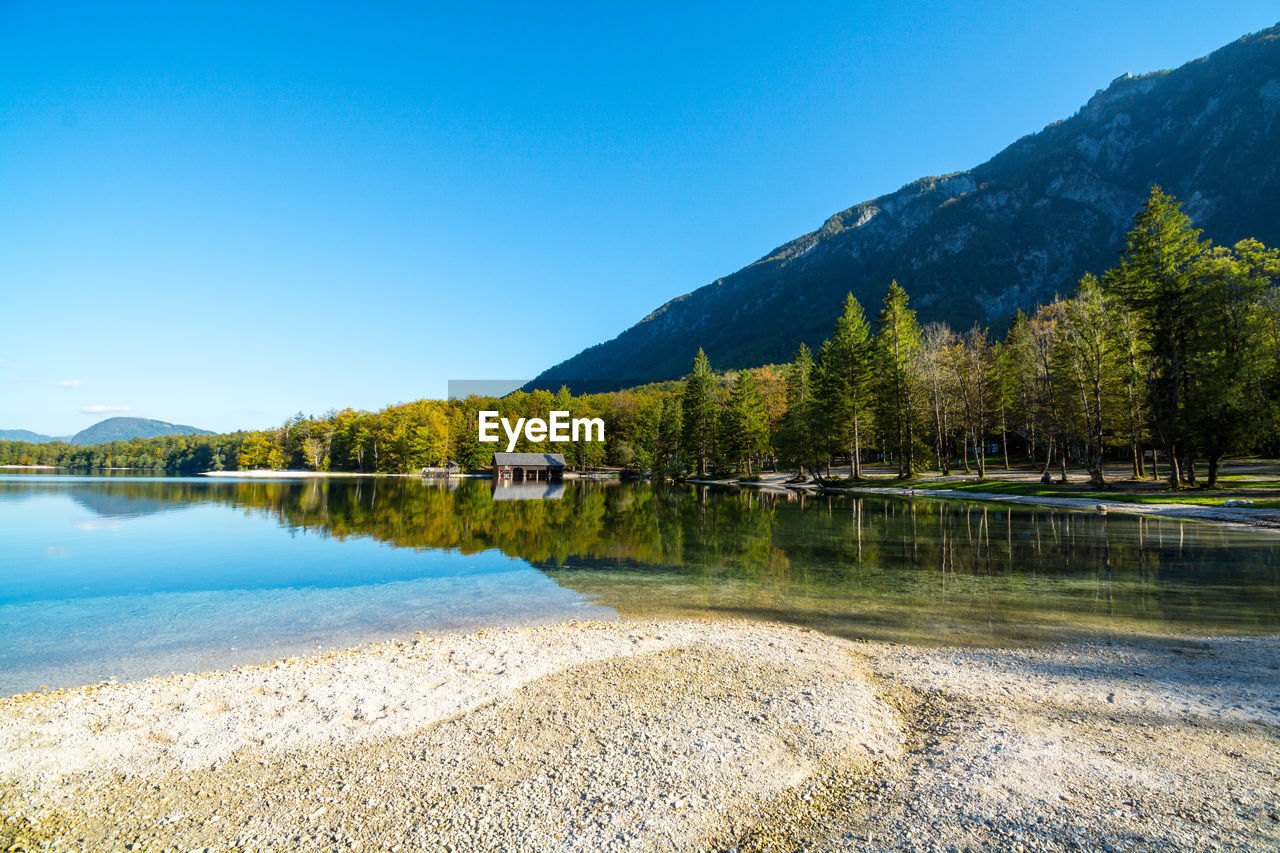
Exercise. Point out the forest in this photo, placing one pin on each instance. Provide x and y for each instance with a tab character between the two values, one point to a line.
1170	359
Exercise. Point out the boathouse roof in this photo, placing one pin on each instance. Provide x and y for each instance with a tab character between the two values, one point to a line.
530	460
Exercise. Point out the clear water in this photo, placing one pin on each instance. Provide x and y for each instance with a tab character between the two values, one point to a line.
127	577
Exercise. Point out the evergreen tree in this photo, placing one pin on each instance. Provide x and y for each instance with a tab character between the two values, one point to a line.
798	434
830	424
1270	322
898	345
1156	279
851	377
667	452
1227	400
700	415
563	401
747	428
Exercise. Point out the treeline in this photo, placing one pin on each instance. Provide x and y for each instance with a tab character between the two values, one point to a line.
1174	351
171	453
401	438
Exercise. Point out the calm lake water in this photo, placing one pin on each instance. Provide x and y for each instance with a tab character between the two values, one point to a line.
125	577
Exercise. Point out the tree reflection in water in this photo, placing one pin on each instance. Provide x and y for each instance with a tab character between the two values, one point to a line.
858	566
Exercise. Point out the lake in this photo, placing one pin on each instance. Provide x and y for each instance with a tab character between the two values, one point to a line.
127	576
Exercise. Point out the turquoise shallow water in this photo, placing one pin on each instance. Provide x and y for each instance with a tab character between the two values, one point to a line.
122	578
127	577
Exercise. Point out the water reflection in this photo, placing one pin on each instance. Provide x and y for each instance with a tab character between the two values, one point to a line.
901	569
505	490
130	578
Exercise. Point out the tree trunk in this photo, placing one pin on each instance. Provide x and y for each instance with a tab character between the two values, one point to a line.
1214	461
908	451
1004	439
1048	460
855	463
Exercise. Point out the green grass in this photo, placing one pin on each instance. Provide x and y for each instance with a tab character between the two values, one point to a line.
1245	481
1190	497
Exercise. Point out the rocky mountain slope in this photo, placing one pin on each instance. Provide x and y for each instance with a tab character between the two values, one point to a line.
1010	233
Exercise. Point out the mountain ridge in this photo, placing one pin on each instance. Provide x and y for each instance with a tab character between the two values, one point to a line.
28	436
111	429
976	245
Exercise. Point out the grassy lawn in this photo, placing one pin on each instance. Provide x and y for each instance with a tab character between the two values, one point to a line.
1247	481
1126	491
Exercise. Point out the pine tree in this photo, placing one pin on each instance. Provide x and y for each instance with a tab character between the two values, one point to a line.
1156	279
667	452
898	344
700	415
1227	400
798	433
747	428
852	371
829	422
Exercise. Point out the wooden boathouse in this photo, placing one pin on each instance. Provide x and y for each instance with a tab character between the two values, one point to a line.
528	467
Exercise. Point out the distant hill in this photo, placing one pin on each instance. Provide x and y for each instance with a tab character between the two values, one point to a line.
1008	234
26	435
123	429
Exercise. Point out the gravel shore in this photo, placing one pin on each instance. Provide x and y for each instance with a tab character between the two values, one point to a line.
663	735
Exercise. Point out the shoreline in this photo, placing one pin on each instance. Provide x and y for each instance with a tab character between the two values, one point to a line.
567	737
1241	516
265	474
1269	518
300	474
1255	517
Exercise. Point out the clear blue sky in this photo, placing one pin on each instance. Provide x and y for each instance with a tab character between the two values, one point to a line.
220	215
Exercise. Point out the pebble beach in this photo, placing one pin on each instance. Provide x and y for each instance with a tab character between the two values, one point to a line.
663	735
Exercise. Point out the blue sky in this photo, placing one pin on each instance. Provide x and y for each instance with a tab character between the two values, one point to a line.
220	215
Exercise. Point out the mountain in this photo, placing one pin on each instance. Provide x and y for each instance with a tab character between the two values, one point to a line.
25	435
123	429
1008	234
